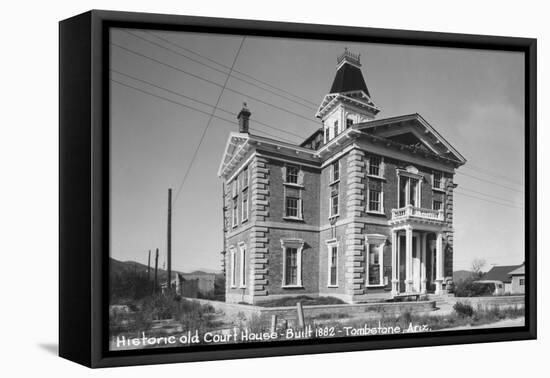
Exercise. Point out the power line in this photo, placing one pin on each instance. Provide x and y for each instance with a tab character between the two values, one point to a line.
490	182
236	71
490	173
212	82
193	108
487	200
231	113
201	102
484	194
211	67
195	153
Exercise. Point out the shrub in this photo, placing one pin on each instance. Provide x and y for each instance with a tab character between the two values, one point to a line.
469	288
464	310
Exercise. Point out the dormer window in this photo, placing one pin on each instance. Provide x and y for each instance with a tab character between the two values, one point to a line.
349	123
335	128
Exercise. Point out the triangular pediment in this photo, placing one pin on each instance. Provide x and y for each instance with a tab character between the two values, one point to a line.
414	133
410	139
357	98
234	149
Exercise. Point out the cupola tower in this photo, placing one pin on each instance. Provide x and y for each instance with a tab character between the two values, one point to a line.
348	101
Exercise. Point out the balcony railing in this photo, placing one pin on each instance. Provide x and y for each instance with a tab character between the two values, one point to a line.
410	211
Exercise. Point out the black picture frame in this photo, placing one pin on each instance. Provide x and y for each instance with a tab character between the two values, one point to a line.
84	186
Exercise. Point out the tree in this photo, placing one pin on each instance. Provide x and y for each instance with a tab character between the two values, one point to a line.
477	266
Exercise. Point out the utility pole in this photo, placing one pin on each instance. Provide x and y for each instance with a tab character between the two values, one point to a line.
169	241
149	267
156	271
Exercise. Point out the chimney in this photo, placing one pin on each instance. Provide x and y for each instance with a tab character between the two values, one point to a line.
243	117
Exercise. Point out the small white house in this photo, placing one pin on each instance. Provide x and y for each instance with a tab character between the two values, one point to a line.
508	279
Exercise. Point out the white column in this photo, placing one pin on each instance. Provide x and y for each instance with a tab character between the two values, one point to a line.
408	260
423	265
394	264
381	262
439	263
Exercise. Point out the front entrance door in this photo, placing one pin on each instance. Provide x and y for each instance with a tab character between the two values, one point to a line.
415	263
402	253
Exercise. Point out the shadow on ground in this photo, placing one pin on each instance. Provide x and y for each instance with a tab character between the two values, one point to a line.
52	348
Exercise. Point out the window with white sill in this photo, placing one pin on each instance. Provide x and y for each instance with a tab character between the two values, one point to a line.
292	262
244	209
293	202
375	196
374	264
332	265
233	266
234	211
242	265
335	171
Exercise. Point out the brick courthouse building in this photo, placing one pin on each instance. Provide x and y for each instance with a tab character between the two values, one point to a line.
362	210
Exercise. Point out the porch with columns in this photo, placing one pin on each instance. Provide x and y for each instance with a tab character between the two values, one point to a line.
410	276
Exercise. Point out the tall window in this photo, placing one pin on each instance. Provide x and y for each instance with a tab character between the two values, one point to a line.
334	198
409	192
293	192
335	128
245	178
243	265
375	200
234	188
375	166
335	171
292	174
233	268
291	267
292	206
437	205
234	211
327	137
293	202
438	180
374	264
292	262
333	265
235	197
244	209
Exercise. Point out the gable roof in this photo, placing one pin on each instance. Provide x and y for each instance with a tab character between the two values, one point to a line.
349	78
500	273
240	144
518	272
423	135
235	146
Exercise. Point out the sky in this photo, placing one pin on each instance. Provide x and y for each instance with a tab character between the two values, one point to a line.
474	98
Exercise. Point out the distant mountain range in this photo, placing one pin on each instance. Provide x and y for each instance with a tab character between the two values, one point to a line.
117	266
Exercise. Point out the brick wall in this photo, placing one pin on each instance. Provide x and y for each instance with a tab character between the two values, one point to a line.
310	262
267	204
309	179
